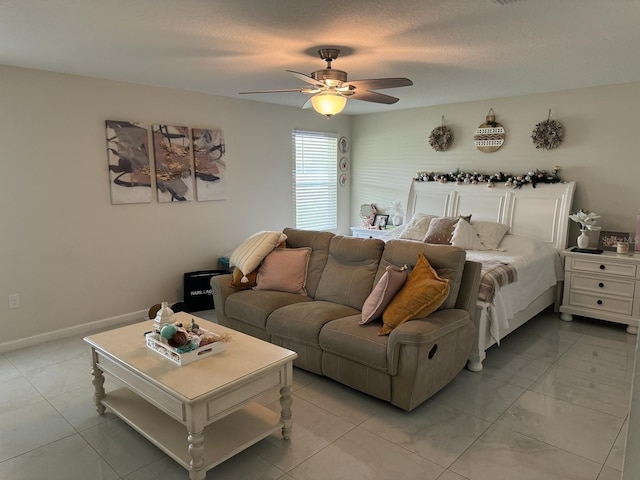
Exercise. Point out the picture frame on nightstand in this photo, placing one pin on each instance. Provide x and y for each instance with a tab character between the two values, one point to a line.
608	241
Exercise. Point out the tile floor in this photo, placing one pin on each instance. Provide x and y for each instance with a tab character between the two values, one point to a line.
551	403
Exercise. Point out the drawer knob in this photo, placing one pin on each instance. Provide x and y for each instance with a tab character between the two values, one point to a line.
601	285
599	302
602	267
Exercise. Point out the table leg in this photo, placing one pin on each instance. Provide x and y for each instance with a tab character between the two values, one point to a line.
98	386
196	452
285	412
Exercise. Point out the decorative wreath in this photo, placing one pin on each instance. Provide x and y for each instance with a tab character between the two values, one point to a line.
441	138
548	134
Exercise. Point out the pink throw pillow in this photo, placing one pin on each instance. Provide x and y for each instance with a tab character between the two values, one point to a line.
388	285
284	270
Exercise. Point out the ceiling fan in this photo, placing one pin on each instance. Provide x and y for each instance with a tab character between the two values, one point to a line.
330	88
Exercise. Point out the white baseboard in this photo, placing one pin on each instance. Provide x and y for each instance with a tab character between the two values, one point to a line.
71	331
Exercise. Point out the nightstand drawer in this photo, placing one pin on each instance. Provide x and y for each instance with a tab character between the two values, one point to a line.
602	303
610	268
603	284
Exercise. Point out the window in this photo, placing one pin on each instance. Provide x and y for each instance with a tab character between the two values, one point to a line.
315	189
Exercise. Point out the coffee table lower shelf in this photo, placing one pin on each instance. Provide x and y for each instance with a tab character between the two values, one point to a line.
222	439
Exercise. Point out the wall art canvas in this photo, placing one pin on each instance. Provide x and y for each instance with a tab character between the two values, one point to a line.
211	169
174	172
129	164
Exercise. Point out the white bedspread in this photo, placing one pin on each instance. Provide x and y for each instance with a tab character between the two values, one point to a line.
538	266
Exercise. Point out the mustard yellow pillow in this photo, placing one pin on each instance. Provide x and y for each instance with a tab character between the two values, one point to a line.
236	279
421	295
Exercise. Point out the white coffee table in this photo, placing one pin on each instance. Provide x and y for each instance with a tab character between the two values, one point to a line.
202	413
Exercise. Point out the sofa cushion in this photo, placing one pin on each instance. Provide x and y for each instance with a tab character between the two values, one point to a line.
284	270
302	322
447	260
386	288
319	243
248	255
421	295
350	271
254	306
360	343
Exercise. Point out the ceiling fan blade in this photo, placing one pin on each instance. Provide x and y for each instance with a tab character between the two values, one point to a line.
299	90
380	83
306	78
367	96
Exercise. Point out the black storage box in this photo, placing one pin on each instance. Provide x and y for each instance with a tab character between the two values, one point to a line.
197	289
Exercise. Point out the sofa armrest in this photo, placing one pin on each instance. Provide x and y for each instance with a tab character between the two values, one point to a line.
220	290
469	288
423	332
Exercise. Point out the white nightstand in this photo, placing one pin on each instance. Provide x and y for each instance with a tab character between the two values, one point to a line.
368	233
604	286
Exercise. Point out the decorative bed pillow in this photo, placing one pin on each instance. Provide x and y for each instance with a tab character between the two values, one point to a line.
421	295
284	270
490	233
248	255
389	284
441	229
464	236
417	227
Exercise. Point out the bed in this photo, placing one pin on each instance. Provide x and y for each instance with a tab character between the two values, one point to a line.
537	220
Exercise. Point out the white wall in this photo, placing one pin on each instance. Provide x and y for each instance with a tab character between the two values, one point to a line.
599	151
72	256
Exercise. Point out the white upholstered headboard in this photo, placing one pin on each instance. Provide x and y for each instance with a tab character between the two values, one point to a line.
541	212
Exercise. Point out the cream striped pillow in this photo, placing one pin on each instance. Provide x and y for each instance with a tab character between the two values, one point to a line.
248	255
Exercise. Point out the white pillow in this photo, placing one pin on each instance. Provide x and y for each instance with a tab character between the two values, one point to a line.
417	227
464	236
248	255
490	233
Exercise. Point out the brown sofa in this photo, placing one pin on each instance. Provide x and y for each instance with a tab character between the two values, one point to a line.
405	368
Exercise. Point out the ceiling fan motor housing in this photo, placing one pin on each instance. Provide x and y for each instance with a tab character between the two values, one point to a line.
330	77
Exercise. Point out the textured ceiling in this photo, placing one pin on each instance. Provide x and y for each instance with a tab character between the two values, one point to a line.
453	50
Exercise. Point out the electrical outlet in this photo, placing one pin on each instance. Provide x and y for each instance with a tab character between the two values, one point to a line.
14	300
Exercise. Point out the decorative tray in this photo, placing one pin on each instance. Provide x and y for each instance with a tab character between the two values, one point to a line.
155	343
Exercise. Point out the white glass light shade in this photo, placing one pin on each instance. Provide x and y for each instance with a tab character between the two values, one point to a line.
328	103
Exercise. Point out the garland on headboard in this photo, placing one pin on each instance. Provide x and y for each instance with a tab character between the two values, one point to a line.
514	181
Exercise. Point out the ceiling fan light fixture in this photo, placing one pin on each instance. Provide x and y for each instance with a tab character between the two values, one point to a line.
328	103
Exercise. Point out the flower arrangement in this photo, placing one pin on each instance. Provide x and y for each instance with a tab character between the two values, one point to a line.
586	219
510	180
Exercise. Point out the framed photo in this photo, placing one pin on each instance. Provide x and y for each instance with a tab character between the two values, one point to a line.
344	164
608	240
380	221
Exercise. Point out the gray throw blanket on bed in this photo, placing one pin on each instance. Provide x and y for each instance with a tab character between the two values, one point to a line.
495	275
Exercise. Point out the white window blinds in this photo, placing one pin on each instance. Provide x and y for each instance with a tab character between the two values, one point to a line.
315	180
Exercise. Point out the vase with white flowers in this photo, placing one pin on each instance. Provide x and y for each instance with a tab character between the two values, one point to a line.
587	221
396	212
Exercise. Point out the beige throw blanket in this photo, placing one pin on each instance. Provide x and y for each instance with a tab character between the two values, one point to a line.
495	275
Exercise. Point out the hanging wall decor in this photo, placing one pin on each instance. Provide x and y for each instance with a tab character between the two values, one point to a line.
129	165
441	138
174	173
211	169
490	135
548	134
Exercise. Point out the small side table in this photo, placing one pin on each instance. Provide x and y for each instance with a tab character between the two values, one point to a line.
605	286
360	232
